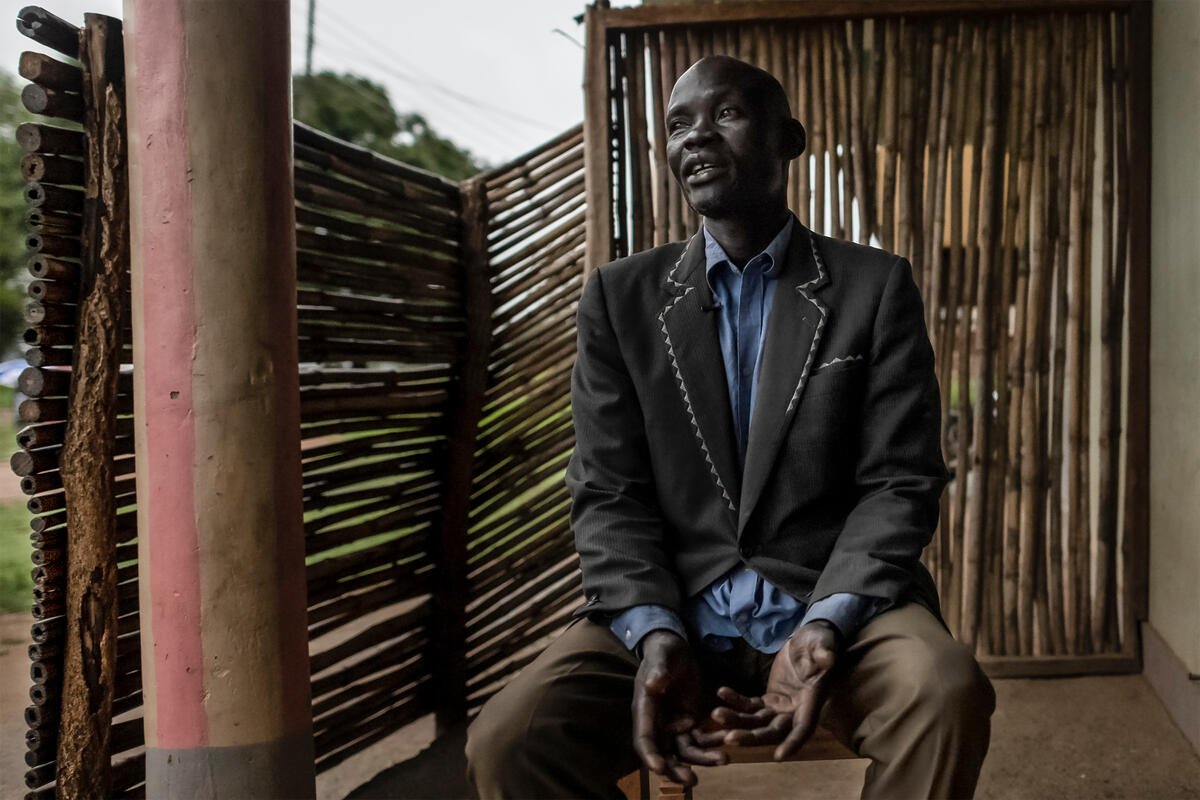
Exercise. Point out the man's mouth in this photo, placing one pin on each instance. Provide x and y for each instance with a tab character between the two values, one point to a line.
701	171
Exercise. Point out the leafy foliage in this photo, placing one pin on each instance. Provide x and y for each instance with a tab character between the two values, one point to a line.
358	110
12	214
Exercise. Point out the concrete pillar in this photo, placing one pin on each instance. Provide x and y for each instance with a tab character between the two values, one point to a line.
224	638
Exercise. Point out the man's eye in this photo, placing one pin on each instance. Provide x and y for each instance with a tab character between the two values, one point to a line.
675	125
726	113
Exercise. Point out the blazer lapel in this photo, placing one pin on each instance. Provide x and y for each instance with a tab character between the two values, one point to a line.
794	330
689	330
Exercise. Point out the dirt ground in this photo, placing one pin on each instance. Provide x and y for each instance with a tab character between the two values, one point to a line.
1062	738
14	696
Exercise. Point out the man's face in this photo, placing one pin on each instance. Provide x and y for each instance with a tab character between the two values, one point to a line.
723	146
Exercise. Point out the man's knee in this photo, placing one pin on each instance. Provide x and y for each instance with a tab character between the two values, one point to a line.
949	689
493	747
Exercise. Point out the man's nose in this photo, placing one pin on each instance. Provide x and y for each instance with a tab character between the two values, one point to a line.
701	132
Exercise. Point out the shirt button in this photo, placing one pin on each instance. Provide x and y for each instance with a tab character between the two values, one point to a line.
628	634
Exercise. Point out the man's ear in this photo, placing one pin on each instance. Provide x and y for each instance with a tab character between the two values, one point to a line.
794	139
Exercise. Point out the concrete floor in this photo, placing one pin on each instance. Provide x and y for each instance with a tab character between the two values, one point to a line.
1061	738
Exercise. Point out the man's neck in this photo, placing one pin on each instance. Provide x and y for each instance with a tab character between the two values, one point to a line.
743	238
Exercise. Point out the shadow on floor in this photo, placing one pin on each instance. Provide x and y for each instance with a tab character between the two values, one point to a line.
1058	738
439	772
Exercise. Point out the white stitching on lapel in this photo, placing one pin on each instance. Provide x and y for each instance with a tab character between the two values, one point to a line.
831	362
687	400
816	340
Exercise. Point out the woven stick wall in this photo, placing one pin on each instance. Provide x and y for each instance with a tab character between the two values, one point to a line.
523	574
383	303
381	326
993	151
381	330
57	165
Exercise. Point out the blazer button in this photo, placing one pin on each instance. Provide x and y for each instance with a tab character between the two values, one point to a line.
746	551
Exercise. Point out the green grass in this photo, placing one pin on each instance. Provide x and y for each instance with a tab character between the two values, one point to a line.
16	586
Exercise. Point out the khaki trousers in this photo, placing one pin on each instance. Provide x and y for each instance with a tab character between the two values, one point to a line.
905	695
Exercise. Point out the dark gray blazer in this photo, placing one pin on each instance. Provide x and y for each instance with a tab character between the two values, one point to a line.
843	467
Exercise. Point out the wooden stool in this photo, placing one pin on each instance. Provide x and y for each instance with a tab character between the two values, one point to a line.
821	747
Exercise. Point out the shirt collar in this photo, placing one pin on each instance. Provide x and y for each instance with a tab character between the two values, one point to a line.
715	255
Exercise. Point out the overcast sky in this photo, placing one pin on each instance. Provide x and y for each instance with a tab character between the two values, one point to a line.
492	76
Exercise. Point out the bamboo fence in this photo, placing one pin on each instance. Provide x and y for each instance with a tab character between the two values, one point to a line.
78	314
381	324
993	150
522	571
436	338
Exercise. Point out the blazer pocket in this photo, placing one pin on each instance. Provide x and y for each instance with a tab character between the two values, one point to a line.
836	376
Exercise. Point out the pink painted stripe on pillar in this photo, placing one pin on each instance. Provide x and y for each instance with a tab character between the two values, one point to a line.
169	326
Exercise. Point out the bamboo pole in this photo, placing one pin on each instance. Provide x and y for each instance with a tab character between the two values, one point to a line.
909	171
968	485
799	45
639	203
1111	305
963	74
1078	543
849	143
817	92
1129	535
1057	553
975	550
829	113
1014	293
861	100
1058	542
1091	80
1032	564
657	94
787	76
938	121
888	124
941	109
597	155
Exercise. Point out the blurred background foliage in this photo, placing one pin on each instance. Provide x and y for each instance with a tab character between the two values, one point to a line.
12	217
359	110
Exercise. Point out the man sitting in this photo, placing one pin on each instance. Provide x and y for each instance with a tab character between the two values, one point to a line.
757	469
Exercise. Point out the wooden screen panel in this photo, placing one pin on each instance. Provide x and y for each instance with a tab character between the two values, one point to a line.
993	151
523	574
381	332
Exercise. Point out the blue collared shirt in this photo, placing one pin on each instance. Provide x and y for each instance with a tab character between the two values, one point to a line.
740	604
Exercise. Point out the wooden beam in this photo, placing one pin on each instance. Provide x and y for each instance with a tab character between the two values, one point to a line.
596	137
450	594
1137	451
655	16
86	461
1059	666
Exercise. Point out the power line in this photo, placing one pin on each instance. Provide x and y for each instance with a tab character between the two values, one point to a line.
419	77
464	127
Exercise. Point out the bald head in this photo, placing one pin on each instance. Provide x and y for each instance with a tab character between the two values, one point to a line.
730	136
758	86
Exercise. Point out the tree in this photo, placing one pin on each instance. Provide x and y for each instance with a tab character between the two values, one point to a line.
358	110
12	215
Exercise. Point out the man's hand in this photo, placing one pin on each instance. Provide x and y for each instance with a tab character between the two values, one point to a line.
666	704
787	712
